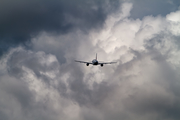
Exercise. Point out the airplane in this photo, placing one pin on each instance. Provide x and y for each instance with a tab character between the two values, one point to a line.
95	62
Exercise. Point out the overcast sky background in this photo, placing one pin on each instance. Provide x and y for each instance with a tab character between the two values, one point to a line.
39	41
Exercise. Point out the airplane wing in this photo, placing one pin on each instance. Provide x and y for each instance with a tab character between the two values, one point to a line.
83	62
107	62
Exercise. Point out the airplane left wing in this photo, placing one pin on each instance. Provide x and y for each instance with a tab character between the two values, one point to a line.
82	62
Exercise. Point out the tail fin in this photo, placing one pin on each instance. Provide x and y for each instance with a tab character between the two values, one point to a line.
96	56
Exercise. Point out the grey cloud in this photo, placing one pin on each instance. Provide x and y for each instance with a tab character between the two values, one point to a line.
45	83
18	93
85	96
19	85
16	99
156	96
33	61
113	98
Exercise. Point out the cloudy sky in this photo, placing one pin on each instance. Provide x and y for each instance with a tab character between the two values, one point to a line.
39	41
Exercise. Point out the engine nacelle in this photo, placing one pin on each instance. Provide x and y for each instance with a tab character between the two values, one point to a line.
87	64
101	65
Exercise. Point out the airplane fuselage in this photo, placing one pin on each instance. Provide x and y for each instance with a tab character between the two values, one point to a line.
94	62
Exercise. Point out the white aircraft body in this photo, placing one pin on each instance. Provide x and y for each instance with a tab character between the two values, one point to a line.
95	62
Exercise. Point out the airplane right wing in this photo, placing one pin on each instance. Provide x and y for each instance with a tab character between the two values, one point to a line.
107	62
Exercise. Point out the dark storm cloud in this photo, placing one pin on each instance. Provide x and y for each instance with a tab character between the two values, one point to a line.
20	20
143	8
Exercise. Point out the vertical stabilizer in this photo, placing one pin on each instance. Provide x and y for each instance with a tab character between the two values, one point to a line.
96	56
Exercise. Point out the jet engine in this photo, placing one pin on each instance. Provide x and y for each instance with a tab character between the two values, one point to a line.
87	64
101	65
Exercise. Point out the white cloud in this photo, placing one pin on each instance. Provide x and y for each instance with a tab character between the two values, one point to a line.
174	16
